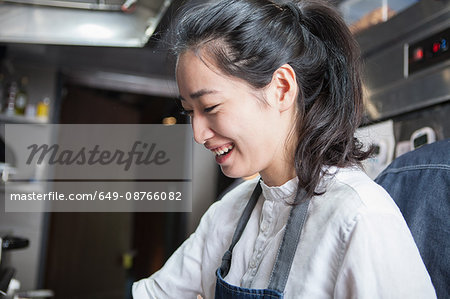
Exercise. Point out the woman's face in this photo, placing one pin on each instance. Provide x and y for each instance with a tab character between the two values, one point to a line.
245	133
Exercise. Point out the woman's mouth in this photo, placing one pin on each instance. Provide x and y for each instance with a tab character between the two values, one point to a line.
223	152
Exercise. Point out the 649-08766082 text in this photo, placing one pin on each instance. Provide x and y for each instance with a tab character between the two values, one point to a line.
99	195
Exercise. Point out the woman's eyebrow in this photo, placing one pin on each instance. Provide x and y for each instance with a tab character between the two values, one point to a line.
198	94
201	93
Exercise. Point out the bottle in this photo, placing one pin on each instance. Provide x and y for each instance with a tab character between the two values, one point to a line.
22	97
43	108
11	98
30	111
2	94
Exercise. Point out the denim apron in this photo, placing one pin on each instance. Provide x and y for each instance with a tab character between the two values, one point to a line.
285	255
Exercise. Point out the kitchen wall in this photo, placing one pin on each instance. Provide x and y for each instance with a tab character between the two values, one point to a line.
42	83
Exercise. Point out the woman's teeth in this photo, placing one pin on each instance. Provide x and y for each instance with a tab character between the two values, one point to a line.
223	150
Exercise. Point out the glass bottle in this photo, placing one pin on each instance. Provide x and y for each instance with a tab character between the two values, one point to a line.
22	97
2	92
11	98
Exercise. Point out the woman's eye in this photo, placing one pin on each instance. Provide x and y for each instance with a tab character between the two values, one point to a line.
209	109
191	112
186	112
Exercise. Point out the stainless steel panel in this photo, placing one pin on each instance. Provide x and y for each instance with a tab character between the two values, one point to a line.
124	82
407	24
411	94
64	26
384	68
389	90
81	4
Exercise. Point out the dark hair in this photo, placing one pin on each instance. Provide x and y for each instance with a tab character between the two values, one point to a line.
251	39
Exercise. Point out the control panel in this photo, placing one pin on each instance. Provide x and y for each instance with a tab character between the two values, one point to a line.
429	51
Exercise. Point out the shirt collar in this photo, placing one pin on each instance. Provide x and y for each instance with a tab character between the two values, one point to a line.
285	192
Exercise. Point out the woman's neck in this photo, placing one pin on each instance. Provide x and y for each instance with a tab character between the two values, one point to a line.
273	178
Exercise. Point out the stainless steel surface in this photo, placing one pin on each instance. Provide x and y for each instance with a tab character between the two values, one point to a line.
124	82
65	26
97	5
411	94
388	91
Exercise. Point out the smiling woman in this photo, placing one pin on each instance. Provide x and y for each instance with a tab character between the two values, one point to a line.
226	113
273	87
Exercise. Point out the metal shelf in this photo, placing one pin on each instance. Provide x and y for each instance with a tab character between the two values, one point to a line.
19	119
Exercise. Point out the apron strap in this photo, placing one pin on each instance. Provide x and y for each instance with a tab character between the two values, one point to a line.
289	244
226	260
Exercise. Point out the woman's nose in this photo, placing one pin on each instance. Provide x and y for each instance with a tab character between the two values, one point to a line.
201	128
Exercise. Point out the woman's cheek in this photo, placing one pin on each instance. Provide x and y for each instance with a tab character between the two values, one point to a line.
221	125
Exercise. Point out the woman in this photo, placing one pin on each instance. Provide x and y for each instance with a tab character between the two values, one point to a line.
274	88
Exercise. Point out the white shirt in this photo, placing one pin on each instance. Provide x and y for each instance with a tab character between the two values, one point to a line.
354	244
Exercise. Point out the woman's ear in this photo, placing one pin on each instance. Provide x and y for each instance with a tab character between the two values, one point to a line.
284	87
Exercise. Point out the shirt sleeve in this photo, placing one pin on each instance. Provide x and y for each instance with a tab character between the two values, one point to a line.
381	260
180	277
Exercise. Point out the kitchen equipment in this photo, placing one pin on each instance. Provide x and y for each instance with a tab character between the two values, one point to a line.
407	73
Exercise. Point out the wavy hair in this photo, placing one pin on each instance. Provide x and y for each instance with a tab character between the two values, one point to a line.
251	39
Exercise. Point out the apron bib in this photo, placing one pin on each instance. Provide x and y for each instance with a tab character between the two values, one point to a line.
285	255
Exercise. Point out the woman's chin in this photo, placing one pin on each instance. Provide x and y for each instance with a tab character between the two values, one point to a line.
230	174
235	174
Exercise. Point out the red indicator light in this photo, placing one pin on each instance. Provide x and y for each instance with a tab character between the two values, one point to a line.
436	47
418	54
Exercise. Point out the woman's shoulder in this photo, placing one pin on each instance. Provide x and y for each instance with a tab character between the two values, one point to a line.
351	192
354	203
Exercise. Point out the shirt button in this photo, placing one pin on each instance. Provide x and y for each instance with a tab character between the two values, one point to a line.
264	227
252	264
